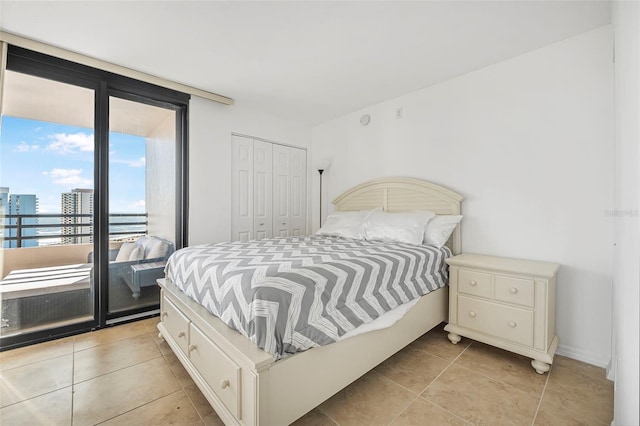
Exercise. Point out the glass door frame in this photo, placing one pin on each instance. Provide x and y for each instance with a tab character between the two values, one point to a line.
105	84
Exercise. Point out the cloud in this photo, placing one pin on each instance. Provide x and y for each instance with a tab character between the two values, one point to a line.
69	177
25	147
140	162
71	143
137	205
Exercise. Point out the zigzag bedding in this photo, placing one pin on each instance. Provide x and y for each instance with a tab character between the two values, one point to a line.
292	294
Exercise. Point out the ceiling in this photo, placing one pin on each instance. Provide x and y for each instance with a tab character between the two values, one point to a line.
308	62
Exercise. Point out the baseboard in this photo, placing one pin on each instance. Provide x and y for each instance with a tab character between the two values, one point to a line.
611	369
582	355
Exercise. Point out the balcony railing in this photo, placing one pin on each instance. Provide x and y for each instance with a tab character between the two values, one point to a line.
67	228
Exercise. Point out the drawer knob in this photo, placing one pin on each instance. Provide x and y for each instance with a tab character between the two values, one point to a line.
224	384
512	324
473	282
513	290
472	314
262	224
181	334
165	314
192	348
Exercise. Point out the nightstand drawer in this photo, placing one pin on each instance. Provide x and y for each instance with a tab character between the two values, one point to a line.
505	322
514	290
476	283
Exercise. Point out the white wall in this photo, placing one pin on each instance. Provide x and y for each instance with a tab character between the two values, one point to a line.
210	128
529	143
626	277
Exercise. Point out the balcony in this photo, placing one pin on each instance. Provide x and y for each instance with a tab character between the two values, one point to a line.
47	269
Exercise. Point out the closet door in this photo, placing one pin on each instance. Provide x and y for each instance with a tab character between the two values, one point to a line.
242	189
298	200
262	193
281	191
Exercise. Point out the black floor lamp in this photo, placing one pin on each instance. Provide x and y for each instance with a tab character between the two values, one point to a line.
321	171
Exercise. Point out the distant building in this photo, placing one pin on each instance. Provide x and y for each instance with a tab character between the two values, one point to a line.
19	204
77	202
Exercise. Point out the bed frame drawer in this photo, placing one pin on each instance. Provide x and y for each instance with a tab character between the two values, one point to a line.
218	370
176	324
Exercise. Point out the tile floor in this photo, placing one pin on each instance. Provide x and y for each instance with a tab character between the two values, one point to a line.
125	375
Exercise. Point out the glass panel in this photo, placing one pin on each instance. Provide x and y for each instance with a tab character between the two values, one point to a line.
142	149
46	203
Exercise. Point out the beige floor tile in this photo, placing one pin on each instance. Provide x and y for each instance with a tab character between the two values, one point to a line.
35	379
314	417
481	400
503	366
436	343
162	345
581	367
151	323
212	420
551	415
112	394
424	413
109	335
34	353
50	409
198	400
174	409
571	389
178	370
103	359
371	400
413	369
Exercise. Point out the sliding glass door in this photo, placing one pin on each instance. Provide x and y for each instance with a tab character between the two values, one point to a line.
142	182
92	196
46	203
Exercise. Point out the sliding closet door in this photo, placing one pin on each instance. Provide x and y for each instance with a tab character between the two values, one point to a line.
262	188
242	189
269	187
281	191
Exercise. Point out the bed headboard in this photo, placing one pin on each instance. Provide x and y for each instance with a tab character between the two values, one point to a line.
402	194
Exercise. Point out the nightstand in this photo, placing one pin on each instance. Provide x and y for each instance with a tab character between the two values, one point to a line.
507	303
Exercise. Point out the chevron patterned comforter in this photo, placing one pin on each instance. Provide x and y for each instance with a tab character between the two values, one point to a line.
292	294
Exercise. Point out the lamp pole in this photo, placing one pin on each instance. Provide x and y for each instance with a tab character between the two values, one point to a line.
320	171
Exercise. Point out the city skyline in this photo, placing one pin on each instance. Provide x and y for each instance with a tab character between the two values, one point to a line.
48	159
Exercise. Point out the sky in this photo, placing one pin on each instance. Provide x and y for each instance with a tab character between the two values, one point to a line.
48	159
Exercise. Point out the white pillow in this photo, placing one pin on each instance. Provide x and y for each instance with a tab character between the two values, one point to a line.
157	249
403	227
439	229
345	224
137	253
125	252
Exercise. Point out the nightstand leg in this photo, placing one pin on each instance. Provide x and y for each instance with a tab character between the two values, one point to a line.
539	366
454	338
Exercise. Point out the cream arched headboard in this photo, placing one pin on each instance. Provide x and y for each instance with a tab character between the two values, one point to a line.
397	194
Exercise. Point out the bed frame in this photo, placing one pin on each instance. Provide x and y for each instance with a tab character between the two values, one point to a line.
246	386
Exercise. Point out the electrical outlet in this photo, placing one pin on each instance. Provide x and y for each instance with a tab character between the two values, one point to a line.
398	113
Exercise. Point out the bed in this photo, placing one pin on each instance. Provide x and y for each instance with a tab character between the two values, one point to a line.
248	386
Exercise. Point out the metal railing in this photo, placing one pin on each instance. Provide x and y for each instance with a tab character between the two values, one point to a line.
16	227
